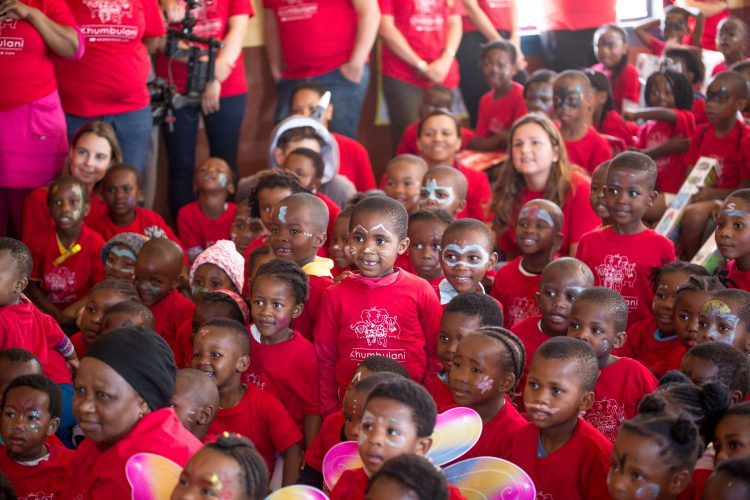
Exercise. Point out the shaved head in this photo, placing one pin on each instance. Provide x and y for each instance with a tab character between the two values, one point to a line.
309	203
193	384
165	251
551	208
569	265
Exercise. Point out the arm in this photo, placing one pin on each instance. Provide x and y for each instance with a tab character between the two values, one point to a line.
292	464
674	145
700	24
438	69
225	61
367	32
656	113
35	293
708	9
494	142
273	46
643	31
62	40
397	43
312	427
477	16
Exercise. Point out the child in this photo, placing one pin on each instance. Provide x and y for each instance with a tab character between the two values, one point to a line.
102	296
599	317
119	253
298	231
244	408
539	237
606	119
66	257
467	256
245	229
732	439
444	187
731	239
664	137
654	455
403	179
624	254
486	369
597	198
537	92
157	273
219	266
125	314
725	317
121	190
717	363
378	310
687	60
564	455
574	106
464	314
229	468
408	476
15	362
504	103
611	43
654	339
282	361
256	258
337	244
207	220
732	41
729	480
426	229
674	29
726	138
195	401
36	465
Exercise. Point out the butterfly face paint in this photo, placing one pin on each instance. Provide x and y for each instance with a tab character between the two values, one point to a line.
486	384
432	192
568	97
721	96
476	255
282	213
534	212
717	322
34	423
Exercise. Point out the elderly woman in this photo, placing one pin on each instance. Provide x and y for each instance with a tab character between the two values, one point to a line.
122	394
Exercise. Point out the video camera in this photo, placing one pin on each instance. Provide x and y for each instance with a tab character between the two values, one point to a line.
201	56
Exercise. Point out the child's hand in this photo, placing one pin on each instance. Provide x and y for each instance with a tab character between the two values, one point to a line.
72	364
704	194
341	277
13	9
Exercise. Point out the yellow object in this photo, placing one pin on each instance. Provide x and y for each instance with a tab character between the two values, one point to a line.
65	253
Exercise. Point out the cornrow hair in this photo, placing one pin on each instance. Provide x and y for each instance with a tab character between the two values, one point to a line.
289	272
503	45
624	36
415	473
700	284
225	300
124	289
41	384
16	354
515	360
378	363
600	83
681	88
476	305
68	180
733	368
277	178
415	397
133	308
252	465
20	254
676	435
678	266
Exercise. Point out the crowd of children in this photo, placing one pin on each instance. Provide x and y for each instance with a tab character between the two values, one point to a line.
302	307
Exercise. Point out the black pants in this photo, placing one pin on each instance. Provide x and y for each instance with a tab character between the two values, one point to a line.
564	49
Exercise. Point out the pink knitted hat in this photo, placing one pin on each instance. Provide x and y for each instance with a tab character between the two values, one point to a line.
224	255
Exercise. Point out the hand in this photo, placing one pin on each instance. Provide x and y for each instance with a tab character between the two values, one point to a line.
210	100
704	194
520	62
630	116
175	12
352	71
72	364
438	69
223	69
13	9
341	277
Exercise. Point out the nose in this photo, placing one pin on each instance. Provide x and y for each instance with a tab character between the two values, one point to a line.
693	324
84	404
617	483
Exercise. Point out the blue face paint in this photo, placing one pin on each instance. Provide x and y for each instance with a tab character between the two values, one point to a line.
534	212
123	253
282	213
568	97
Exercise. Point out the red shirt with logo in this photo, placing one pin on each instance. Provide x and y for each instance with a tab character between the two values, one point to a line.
515	288
43	480
499	114
732	151
36	216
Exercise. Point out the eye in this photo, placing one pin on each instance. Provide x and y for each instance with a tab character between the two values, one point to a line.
571	297
274	230
724	328
739	225
573	325
215	354
295	231
102	395
9	413
358	239
734	445
380	241
683	316
557	391
444	338
366	426
476	370
278	305
702	324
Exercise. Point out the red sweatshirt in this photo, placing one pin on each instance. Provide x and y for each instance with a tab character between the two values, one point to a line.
43	480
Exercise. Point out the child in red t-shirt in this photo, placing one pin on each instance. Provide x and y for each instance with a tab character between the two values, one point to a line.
537	92
733	39
606	119
611	44
36	466
15	362
624	254
380	310
402	180
504	103
599	317
597	196
674	29
256	258
426	228
412	476
563	454
342	262
574	106
207	220
244	408
125	314
486	368
66	257
219	267
245	229
731	239
717	363
157	275
195	401
444	187
725	317
538	236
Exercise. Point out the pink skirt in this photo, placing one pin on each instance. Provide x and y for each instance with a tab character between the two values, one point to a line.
33	143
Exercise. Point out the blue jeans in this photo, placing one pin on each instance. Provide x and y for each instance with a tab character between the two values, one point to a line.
347	98
223	131
133	131
67	419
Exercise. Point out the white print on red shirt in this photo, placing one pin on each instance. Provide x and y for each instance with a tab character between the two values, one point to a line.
522	308
544	496
109	11
9	44
39	495
60	284
111	14
297	10
376	327
426	16
606	415
256	379
657	139
616	272
207	19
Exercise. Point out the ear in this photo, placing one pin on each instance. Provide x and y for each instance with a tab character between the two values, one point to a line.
143	406
423	445
555	153
20	285
492	261
461	205
54	424
206	414
297	310
507	382
243	363
86	209
652	198
403	245
740	104
278	156
678	482
557	242
319	239
329	113
619	340
737	397
587	401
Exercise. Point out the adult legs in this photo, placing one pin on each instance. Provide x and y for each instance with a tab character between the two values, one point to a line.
180	145
565	49
223	129
404	101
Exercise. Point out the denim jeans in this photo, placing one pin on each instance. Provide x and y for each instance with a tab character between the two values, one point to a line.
347	98
223	131
133	131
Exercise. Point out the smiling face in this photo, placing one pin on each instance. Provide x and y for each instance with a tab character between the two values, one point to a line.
610	48
533	153
66	205
90	158
453	327
273	307
597	196
687	307
733	229
120	263
664	299
338	242
719	321
268	198
498	69
374	244
403	180
536	231
466	257
244	228
105	405
26	422
425	237
155	277
732	439
216	354
210	474
93	311
293	233
554	392
477	375
439	140
629	195
661	94
595	325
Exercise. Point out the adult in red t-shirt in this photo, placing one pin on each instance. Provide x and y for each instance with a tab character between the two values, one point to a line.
109	81
420	40
32	124
223	101
326	41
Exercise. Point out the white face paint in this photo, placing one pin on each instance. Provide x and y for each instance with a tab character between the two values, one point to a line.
442	195
380	227
360	228
486	384
473	248
222	179
282	214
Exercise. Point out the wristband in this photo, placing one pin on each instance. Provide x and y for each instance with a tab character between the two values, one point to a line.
450	51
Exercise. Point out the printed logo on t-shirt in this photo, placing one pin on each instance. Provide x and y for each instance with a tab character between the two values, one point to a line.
521	308
426	16
207	20
297	10
254	379
39	495
9	45
617	272
544	496
111	14
60	284
376	326
606	415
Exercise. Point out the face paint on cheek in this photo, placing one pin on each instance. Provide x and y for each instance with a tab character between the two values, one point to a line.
463	251
720	96
282	214
486	384
605	345
568	97
223	179
648	491
34	424
533	212
215	482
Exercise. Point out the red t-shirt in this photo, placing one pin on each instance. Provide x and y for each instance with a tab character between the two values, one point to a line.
332	24
672	361
397	316
614	125
354	163
532	336
498	12
25	55
408	142
111	76
440	391
211	20
424	25
741	278
79	344
699	110
289	371
577	470
353	483
624	263
169	314
732	151
478	196
590	151
515	288
331	431
99	472
305	322
70	280
497	434
578	216
648	345
144	222
36	217
183	348
671	170
497	115
261	418
23	325
625	86
198	231
333	212
577	15
711	28
43	480
616	401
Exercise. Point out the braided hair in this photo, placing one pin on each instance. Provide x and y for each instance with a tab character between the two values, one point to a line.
681	88
252	466
289	272
676	436
514	355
